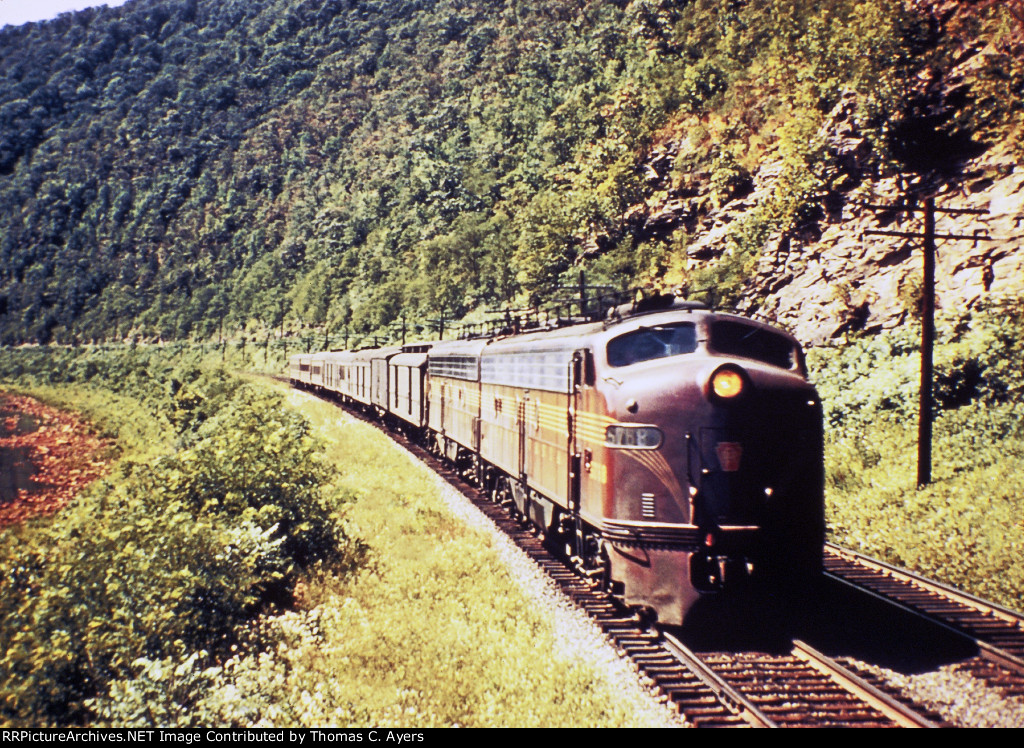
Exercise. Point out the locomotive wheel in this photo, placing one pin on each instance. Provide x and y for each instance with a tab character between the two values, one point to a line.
502	494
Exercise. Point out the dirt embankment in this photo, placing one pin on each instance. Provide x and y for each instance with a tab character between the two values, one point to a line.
46	457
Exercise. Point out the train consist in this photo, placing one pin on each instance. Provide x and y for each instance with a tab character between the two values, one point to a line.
671	451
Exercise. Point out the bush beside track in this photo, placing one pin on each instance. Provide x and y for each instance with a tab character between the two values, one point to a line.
169	558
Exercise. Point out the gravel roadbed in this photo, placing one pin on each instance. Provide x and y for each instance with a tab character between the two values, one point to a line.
961	699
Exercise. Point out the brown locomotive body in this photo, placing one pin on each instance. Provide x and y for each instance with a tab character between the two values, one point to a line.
673	454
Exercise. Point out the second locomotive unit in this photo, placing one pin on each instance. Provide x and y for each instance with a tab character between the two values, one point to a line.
672	452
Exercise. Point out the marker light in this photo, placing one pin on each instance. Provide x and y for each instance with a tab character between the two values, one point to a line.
727	383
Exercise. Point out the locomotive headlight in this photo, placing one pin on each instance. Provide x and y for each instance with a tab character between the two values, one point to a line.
727	383
633	437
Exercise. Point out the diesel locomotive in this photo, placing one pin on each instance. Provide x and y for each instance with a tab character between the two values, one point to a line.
671	451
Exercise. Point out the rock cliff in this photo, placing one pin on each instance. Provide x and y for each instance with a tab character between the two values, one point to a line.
821	285
831	275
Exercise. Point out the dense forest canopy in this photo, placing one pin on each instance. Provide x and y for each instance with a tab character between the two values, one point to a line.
186	168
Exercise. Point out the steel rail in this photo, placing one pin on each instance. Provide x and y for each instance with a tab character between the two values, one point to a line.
728	696
964	598
988	651
898	712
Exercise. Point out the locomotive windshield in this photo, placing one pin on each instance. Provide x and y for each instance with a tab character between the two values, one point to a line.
649	343
748	341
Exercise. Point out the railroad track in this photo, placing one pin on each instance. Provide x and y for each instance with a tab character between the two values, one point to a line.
720	689
997	632
713	689
806	688
724	689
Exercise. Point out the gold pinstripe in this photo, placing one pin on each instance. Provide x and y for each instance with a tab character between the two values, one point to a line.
591	426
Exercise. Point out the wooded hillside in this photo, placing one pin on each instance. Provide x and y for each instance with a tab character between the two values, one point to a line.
178	168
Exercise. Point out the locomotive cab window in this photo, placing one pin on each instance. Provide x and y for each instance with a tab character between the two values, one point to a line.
649	343
747	341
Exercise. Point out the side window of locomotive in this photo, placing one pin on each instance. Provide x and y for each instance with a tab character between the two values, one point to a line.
748	341
649	343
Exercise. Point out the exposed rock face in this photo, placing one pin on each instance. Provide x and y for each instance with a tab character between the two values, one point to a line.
831	276
851	280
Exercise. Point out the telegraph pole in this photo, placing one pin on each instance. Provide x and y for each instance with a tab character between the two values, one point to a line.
925	398
928	236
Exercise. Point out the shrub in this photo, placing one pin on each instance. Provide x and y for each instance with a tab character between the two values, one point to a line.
169	558
257	460
136	580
